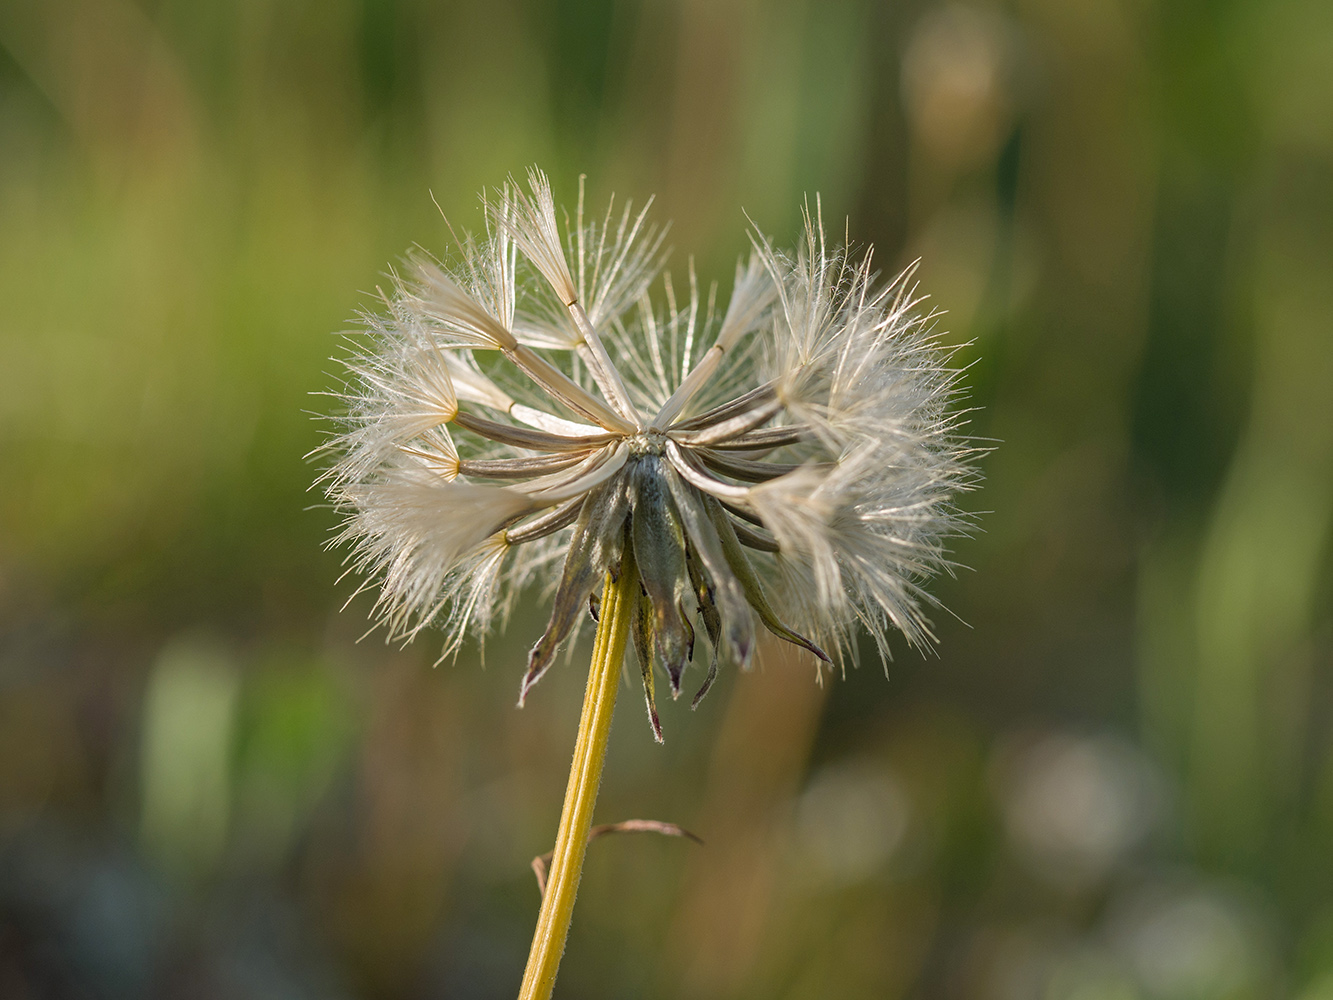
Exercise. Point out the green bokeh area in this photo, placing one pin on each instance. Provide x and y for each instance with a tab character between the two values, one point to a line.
1115	779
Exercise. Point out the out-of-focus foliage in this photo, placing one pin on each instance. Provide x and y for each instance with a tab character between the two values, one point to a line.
1116	781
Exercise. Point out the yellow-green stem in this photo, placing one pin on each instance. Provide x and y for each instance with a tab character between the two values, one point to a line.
585	775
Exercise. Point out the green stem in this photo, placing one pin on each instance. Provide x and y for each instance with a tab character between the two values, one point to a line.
585	775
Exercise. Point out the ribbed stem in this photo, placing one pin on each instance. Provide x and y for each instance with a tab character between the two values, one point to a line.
585	775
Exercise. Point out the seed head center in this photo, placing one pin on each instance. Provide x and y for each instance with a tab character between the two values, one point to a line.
649	442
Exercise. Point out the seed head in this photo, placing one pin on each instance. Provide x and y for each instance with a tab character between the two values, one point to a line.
790	461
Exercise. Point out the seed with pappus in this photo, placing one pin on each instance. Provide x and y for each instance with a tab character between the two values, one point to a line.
790	461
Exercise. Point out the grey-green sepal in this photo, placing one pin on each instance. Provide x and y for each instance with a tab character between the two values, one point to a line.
703	596
736	640
749	580
599	536
642	629
659	552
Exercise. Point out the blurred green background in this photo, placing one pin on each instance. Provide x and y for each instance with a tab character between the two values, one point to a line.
1115	781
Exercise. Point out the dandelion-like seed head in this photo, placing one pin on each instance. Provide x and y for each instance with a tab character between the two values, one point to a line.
790	461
